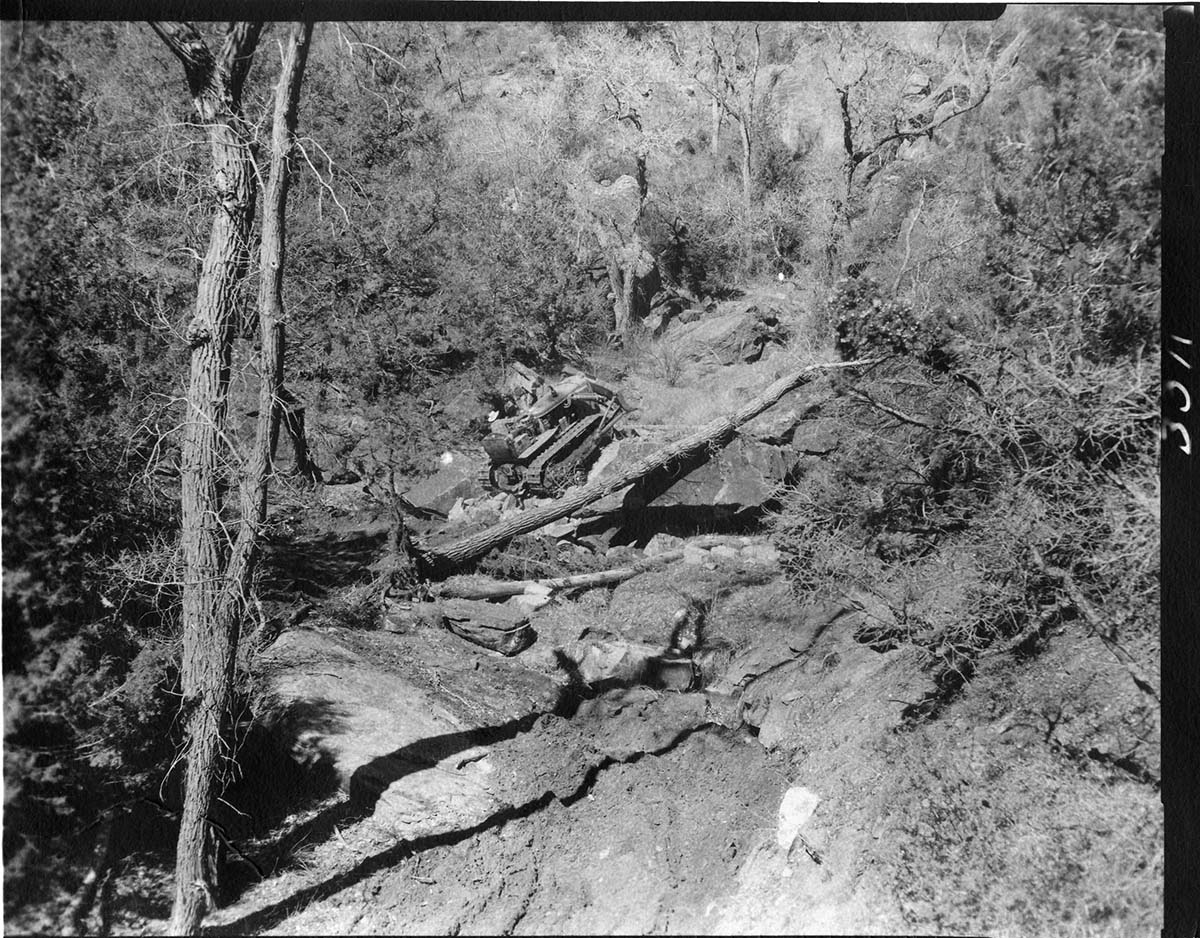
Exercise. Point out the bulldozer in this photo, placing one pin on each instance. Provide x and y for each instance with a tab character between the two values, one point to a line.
552	435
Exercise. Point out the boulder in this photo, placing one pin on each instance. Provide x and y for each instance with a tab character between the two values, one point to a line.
800	428
500	627
814	437
775	426
728	337
401	718
742	475
458	478
795	810
662	543
814	675
765	554
435	736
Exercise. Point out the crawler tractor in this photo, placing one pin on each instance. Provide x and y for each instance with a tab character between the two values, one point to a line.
553	438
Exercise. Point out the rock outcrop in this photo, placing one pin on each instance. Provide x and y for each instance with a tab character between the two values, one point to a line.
741	476
729	336
433	735
457	478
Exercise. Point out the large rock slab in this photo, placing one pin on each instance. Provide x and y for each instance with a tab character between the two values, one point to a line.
433	735
407	714
457	478
815	675
742	475
553	757
728	337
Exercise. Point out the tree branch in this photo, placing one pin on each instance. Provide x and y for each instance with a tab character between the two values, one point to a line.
188	46
237	52
1100	628
926	131
908	238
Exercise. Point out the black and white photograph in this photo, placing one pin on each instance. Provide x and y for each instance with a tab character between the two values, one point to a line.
576	475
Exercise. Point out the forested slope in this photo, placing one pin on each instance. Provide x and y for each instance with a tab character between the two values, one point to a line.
978	204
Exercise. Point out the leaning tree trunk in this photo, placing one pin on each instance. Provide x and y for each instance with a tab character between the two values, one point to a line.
627	301
207	662
620	305
439	560
272	256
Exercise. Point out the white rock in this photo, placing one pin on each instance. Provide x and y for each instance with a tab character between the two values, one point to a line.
760	553
725	552
559	528
795	810
661	543
529	601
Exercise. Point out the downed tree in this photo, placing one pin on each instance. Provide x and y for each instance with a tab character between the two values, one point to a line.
467	588
500	589
439	561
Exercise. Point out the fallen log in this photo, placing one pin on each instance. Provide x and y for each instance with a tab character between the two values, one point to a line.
439	561
499	590
502	589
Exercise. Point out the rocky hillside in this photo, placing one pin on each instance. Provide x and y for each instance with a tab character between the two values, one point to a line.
881	657
699	748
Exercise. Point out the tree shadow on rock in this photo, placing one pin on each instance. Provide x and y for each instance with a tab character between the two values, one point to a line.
282	771
366	785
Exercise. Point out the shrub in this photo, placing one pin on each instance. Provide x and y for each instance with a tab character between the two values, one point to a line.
867	324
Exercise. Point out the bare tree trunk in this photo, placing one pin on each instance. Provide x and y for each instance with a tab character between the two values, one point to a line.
274	400
472	588
206	669
629	283
579	581
717	114
747	181
291	416
217	574
711	436
272	257
620	305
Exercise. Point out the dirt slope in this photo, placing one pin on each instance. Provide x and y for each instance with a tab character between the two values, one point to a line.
641	810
